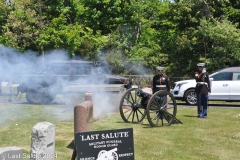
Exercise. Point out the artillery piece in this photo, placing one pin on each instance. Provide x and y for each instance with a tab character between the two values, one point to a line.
160	107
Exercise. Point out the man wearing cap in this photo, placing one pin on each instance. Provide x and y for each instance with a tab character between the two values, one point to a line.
202	89
160	81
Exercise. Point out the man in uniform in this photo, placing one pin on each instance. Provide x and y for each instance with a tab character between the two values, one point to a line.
160	81
202	89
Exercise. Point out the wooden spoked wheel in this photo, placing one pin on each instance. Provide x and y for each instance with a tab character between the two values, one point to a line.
161	109
131	109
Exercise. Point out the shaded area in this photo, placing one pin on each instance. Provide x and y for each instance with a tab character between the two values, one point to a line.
169	116
213	105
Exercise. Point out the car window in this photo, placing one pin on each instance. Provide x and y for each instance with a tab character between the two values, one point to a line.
83	69
60	69
100	70
223	76
236	76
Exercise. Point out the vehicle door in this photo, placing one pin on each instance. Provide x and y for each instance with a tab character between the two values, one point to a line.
82	73
89	74
234	93
220	86
59	72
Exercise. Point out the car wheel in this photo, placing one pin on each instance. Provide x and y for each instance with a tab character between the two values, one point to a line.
38	95
191	97
48	99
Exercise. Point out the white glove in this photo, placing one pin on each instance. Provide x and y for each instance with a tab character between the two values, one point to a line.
204	70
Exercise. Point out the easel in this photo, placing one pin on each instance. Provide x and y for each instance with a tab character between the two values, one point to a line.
74	154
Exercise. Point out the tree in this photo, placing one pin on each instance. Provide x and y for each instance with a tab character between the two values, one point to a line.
138	36
75	38
221	43
235	3
4	12
189	48
103	16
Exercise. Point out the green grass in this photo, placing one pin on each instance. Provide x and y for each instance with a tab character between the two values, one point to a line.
214	138
17	121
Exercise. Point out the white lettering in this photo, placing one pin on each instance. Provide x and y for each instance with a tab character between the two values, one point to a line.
89	137
114	141
43	155
100	146
115	135
87	158
96	143
125	154
112	145
12	156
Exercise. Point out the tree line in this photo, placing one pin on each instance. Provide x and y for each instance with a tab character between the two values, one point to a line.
131	36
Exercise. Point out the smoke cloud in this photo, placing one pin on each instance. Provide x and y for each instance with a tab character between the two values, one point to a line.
14	64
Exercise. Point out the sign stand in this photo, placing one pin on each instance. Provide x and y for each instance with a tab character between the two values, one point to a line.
74	155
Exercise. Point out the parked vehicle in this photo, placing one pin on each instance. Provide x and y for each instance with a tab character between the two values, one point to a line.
43	87
225	86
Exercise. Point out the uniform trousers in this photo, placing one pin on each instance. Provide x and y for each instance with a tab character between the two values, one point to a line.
202	104
163	101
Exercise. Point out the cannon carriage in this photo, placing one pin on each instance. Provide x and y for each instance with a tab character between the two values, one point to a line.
160	108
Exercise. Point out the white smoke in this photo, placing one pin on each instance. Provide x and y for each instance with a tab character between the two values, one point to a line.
13	64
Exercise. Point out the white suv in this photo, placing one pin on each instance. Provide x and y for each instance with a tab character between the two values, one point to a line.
225	86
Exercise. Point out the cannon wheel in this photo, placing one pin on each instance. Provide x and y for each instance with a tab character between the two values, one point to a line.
130	107
160	112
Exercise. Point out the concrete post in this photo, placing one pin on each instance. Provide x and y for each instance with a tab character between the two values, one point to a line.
82	114
43	141
88	96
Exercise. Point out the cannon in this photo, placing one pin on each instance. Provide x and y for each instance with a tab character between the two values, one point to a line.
160	107
111	154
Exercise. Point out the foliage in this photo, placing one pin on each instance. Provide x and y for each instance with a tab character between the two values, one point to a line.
4	12
132	36
189	47
221	42
20	29
71	37
103	16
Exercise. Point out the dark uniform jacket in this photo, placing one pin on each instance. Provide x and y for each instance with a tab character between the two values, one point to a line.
203	84
160	83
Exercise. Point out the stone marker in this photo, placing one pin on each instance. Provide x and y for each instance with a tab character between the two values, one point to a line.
43	141
11	153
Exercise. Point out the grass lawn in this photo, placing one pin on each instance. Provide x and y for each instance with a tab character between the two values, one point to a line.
214	138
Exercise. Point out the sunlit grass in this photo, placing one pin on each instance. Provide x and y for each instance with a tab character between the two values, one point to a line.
17	121
217	137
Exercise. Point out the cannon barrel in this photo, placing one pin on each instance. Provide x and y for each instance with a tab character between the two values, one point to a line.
143	94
